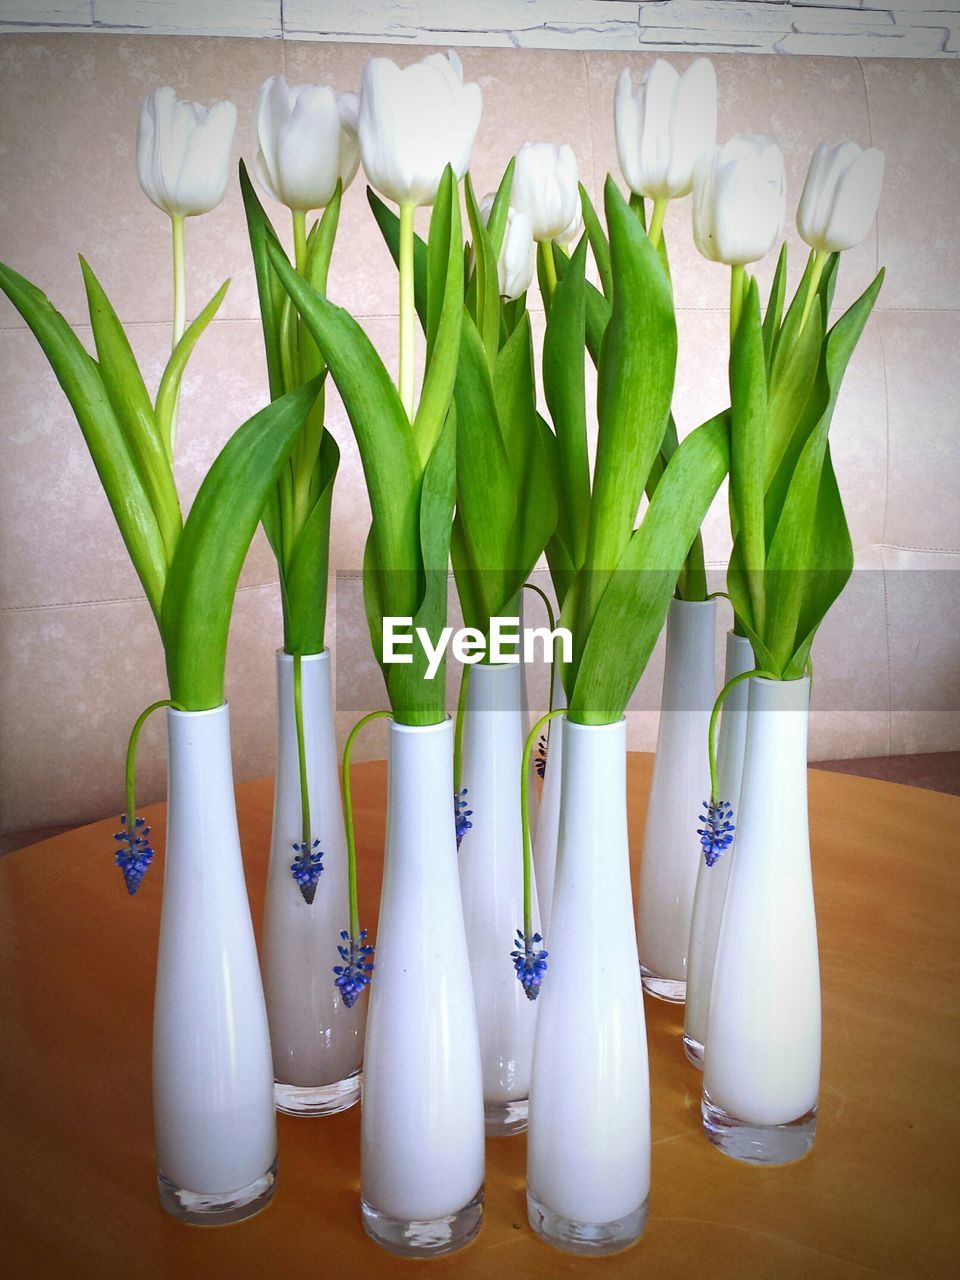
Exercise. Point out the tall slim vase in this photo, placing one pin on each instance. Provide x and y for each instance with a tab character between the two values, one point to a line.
317	1041
491	884
422	1128
681	781
214	1118
711	891
762	1058
548	830
588	1145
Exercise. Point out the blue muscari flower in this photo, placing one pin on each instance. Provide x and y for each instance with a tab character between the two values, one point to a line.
716	835
461	814
529	963
307	868
354	975
540	760
135	858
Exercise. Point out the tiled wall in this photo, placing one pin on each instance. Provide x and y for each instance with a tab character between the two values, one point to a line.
78	653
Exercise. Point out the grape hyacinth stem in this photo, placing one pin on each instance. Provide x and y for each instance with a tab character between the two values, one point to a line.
532	737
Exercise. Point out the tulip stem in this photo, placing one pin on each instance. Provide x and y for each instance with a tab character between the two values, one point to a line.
656	220
299	240
179	307
737	282
549	270
406	308
819	262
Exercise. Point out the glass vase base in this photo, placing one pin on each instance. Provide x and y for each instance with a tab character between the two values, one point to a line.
694	1051
428	1239
672	990
503	1119
769	1144
592	1239
317	1100
216	1209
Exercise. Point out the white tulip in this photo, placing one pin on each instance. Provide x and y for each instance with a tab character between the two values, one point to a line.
840	196
546	188
183	152
304	139
414	122
739	199
518	255
665	126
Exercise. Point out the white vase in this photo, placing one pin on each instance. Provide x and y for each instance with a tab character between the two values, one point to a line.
422	1156
214	1118
762	1054
681	783
588	1145
712	881
317	1041
548	830
491	884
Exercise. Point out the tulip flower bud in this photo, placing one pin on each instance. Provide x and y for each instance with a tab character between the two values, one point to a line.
518	257
840	196
414	122
304	139
183	152
739	194
665	126
546	188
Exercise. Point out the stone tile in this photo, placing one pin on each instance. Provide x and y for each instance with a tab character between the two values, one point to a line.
923	603
72	552
69	106
922	359
801	101
915	117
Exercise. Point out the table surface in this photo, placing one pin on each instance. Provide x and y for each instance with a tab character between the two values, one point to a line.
877	1196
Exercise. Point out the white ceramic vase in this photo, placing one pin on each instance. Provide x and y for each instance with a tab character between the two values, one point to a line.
548	830
422	1144
762	1054
491	884
588	1145
317	1041
681	783
214	1118
711	891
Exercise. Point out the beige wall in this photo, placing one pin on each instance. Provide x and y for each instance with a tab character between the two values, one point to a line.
78	653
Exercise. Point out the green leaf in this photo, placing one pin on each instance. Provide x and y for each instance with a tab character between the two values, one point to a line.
748	416
486	296
633	607
774	312
271	295
131	403
445	315
598	243
635	387
391	464
81	380
304	582
198	600
169	388
389	225
565	390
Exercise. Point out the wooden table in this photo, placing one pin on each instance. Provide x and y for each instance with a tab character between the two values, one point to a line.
878	1195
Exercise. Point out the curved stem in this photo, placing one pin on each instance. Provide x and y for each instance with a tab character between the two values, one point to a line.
551	618
130	767
525	818
819	262
738	278
656	221
406	308
458	728
715	715
179	307
305	823
718	595
348	818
